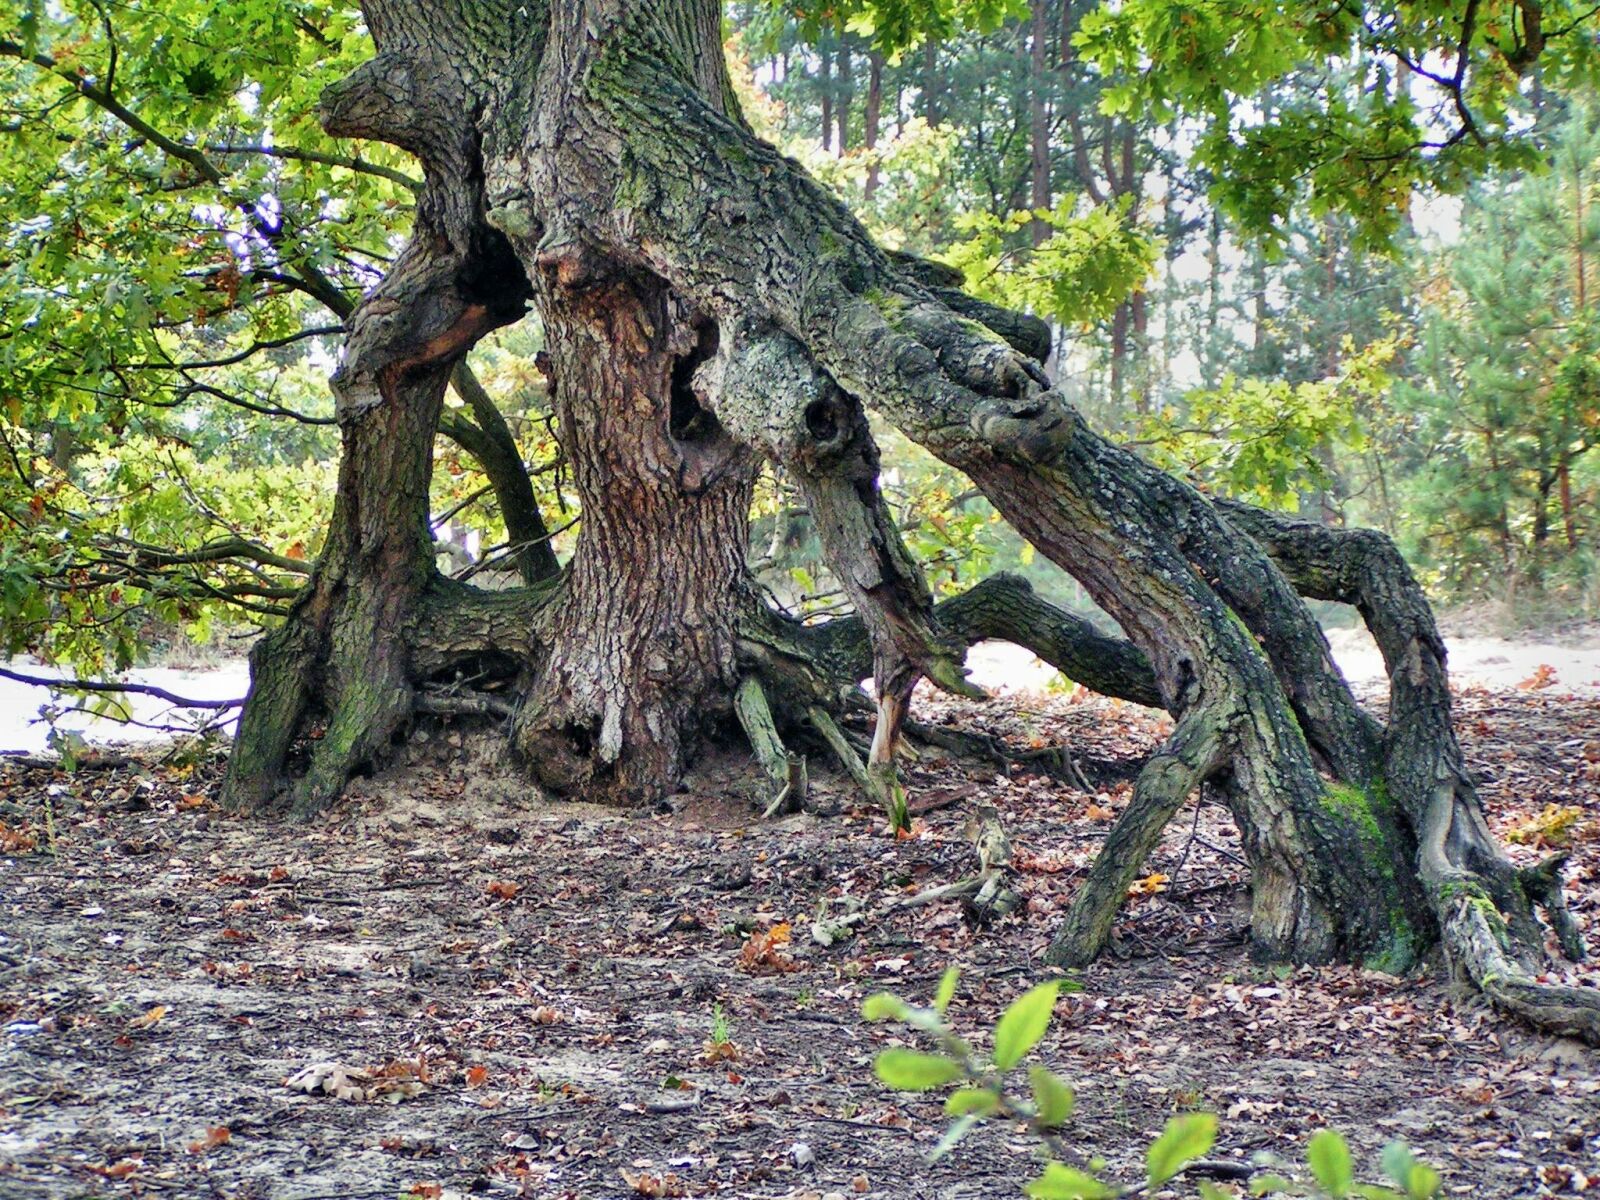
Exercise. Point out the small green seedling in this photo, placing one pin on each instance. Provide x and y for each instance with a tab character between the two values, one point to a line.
983	1088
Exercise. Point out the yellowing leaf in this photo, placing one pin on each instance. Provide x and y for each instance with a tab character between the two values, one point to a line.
1024	1023
913	1071
149	1019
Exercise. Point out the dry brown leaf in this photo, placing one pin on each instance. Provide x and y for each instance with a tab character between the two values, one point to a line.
764	950
216	1135
1149	885
501	890
149	1019
716	1052
654	1185
17	841
1544	675
477	1076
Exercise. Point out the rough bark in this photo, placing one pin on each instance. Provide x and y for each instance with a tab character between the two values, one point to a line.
642	651
335	669
706	302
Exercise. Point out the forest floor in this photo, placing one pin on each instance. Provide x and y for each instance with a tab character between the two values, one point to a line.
535	986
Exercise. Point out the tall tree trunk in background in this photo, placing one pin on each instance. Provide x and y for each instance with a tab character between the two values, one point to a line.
932	84
1541	508
1491	446
825	52
1569	518
1213	319
1259	312
847	92
1139	320
705	301
1330	494
1120	320
1038	116
871	118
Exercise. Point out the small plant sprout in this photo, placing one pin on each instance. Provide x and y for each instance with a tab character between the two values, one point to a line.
984	1087
983	1090
719	1046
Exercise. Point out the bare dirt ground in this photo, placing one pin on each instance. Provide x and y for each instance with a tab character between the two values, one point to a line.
545	979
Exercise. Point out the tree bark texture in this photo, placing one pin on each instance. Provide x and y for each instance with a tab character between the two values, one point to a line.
706	303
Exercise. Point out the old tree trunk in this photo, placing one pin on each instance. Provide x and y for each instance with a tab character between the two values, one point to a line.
706	306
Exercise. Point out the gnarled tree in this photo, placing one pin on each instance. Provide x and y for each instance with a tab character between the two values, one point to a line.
706	304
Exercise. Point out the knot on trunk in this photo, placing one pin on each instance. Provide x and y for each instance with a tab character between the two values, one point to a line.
416	103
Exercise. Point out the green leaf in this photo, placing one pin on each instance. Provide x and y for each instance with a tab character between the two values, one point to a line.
1417	1180
1423	1183
972	1100
1329	1158
947	990
1067	1183
1024	1023
1052	1098
913	1071
1184	1139
884	1006
958	1130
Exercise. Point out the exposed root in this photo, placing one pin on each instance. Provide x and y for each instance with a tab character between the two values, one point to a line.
986	896
786	772
1168	779
1483	904
882	775
843	752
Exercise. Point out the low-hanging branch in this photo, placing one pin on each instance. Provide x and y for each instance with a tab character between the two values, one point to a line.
115	688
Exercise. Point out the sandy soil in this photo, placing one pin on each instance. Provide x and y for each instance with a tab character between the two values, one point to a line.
1003	668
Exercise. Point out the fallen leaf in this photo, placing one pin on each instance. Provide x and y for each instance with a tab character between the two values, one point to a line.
501	890
764	950
476	1076
1149	885
654	1185
149	1019
1544	675
216	1135
120	1170
17	841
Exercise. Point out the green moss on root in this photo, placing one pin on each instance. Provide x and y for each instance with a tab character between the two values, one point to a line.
1355	805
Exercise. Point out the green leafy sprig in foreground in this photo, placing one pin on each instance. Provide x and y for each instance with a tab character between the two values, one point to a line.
984	1090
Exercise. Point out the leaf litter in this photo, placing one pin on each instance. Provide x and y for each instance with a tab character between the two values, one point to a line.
194	1005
